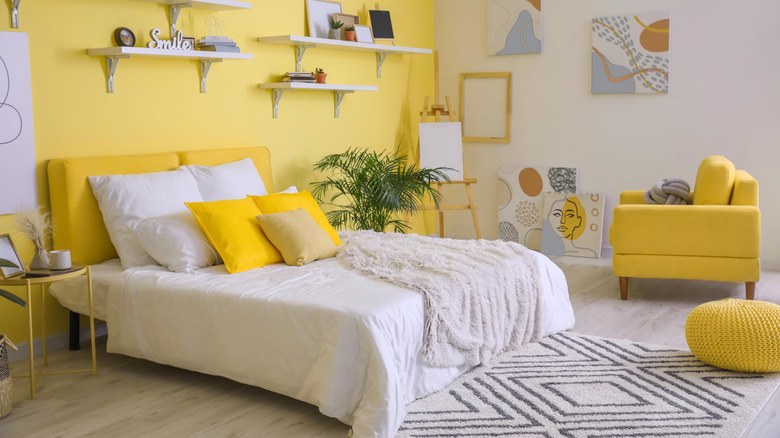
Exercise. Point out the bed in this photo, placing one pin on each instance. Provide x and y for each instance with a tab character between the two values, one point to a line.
321	333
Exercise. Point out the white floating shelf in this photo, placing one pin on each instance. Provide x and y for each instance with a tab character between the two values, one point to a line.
212	5
338	91
174	7
301	43
205	58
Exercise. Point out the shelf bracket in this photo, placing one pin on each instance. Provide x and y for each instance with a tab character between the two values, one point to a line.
380	59
15	13
277	97
205	66
174	15
338	96
300	50
111	63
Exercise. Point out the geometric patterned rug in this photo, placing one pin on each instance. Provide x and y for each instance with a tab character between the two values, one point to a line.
577	386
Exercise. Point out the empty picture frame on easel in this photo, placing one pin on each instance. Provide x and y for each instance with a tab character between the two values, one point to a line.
486	106
318	13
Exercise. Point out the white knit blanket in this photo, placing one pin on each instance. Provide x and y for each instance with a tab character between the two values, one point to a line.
480	296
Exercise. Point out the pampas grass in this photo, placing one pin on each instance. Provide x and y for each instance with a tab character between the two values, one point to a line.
35	225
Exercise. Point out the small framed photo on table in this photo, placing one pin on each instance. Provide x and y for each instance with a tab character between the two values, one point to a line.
9	256
363	34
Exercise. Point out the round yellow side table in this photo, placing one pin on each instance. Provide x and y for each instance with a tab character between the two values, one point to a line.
44	278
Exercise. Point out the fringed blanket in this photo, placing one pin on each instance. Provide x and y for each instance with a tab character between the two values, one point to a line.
480	296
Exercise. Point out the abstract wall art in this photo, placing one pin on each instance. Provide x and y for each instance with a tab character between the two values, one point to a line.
630	54
521	200
17	144
572	224
514	27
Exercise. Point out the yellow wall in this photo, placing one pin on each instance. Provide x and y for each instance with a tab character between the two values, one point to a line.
157	105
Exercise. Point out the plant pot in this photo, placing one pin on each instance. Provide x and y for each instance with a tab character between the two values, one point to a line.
334	34
320	77
349	35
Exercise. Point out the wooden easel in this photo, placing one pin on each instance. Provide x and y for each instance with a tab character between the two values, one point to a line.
438	110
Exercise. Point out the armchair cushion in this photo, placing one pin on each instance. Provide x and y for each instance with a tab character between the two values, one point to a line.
687	230
714	181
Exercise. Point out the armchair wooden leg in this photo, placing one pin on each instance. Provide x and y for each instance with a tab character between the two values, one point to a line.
750	290
623	288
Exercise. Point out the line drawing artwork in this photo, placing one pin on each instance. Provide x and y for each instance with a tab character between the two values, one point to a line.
17	139
630	54
9	115
514	27
572	224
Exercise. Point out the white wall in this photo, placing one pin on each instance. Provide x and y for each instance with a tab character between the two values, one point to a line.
724	99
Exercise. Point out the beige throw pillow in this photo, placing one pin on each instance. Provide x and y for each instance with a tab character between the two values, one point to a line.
297	236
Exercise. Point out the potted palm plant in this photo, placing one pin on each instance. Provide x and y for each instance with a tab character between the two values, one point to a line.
373	190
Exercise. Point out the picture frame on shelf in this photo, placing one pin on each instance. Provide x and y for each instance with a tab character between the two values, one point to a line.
348	19
318	14
363	34
381	25
8	252
191	41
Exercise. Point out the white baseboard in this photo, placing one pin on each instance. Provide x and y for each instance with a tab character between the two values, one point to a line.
55	342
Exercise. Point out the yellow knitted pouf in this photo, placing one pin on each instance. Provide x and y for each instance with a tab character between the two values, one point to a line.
737	335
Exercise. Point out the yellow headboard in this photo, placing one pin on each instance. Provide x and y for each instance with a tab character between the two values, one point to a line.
78	223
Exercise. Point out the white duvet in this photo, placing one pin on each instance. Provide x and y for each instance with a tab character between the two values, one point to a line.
320	333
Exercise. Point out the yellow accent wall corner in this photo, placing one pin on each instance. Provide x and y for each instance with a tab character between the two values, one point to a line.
157	105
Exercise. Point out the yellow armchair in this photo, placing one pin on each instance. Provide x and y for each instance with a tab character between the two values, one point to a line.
717	238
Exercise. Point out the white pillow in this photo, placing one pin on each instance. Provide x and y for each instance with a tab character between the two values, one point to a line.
176	242
291	189
126	198
233	180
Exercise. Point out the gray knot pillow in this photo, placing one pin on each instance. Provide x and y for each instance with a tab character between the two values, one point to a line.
669	191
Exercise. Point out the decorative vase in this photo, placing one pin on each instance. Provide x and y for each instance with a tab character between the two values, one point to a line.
319	78
349	35
334	34
40	260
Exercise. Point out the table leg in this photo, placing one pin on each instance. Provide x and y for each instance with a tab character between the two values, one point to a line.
43	327
92	321
30	345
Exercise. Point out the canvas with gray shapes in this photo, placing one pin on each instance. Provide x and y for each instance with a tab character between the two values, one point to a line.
514	27
521	200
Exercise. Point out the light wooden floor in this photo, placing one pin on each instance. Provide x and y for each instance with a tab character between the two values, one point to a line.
134	398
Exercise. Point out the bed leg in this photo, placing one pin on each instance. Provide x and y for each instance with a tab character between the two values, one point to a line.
623	288
73	333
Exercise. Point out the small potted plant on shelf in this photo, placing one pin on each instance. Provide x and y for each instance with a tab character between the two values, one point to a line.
335	29
349	33
319	75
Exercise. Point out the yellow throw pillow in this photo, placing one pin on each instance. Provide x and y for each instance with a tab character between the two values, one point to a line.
280	202
714	181
233	230
297	236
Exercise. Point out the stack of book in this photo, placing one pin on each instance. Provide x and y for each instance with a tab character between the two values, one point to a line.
218	44
298	76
